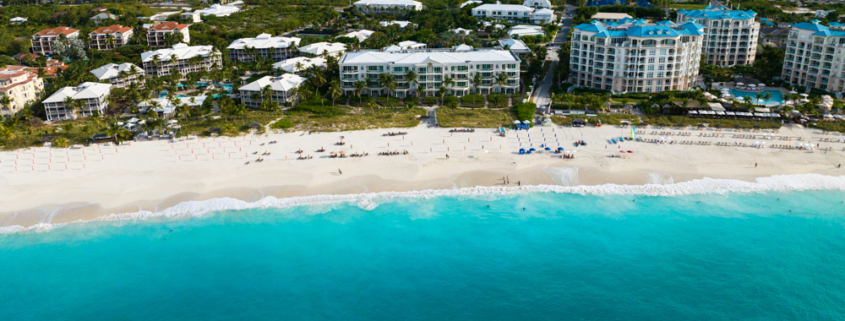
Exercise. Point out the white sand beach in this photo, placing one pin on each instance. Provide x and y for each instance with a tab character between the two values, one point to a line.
45	185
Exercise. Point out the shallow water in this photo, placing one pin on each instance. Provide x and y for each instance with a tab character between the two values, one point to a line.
566	257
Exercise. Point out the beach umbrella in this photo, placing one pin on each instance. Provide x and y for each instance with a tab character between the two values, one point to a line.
516	122
548	148
737	126
526	122
560	148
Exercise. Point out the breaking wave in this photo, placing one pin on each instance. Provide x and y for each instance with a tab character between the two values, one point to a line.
369	201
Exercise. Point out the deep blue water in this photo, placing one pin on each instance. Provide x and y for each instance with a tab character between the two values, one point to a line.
565	257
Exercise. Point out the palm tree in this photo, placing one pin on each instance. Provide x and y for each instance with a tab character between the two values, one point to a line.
759	97
502	79
387	81
334	91
767	96
448	82
359	88
412	77
6	103
60	142
442	91
747	100
267	92
297	66
476	81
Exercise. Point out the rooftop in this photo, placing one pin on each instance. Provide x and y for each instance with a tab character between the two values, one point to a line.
112	29
388	2
284	82
447	56
506	7
718	13
319	47
219	10
170	25
289	65
611	15
56	31
180	50
263	41
84	91
639	28
110	71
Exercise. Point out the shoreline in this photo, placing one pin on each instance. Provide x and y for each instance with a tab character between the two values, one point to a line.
135	182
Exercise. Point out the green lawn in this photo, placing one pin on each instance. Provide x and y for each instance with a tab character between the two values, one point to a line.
687	6
475	118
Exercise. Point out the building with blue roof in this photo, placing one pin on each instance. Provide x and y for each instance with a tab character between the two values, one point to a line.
731	34
813	56
636	55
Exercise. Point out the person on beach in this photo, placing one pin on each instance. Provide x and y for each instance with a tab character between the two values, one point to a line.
518	183
447	156
755	165
339	171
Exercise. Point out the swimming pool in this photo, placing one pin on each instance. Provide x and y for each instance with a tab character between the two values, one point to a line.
777	96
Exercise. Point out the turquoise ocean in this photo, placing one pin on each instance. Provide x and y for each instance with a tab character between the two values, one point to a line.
761	255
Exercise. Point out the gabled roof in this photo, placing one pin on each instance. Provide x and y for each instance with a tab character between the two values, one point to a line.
640	29
110	71
284	82
103	16
810	26
112	29
289	65
170	25
361	35
56	31
514	45
180	50
319	47
721	14
421	56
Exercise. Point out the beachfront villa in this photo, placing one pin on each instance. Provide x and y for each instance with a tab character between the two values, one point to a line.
515	46
252	94
526	30
299	64
323	48
605	17
108	38
731	34
93	98
22	85
636	56
120	75
813	56
375	6
218	10
182	58
405	45
42	42
513	13
432	68
264	45
361	35
402	24
157	34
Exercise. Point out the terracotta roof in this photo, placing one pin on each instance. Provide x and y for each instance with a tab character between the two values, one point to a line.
9	72
25	56
48	71
58	14
170	25
56	31
112	29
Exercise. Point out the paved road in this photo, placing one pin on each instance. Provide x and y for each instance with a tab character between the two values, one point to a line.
541	95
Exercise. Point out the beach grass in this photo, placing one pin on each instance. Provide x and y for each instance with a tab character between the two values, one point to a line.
73	132
498	101
201	125
474	118
390	102
356	119
726	123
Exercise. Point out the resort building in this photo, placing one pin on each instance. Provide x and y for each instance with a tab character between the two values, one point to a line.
264	45
376	6
102	17
192	17
299	64
405	45
218	10
252	94
42	42
108	38
538	4
606	17
513	13
526	30
361	35
813	56
21	85
731	34
18	20
636	56
432	68
157	35
401	24
182	58
120	75
323	48
515	46
92	97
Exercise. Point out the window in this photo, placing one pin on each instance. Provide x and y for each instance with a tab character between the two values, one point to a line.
651	60
463	68
438	69
662	59
649	75
652	52
397	69
650	67
663	52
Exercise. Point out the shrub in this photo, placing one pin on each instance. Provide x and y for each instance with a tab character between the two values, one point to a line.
450	101
525	111
473	101
429	101
498	100
282	124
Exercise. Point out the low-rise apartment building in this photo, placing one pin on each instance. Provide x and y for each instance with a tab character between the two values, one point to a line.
21	85
92	98
376	6
157	35
636	56
252	94
513	13
121	75
433	68
814	56
182	59
264	45
42	42
731	34
108	38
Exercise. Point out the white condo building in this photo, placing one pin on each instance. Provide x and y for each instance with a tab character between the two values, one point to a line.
252	94
318	49
187	59
93	96
269	47
731	34
432	67
814	56
538	4
513	13
636	56
120	75
374	6
299	64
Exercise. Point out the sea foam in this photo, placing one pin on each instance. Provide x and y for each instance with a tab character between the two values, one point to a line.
369	201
